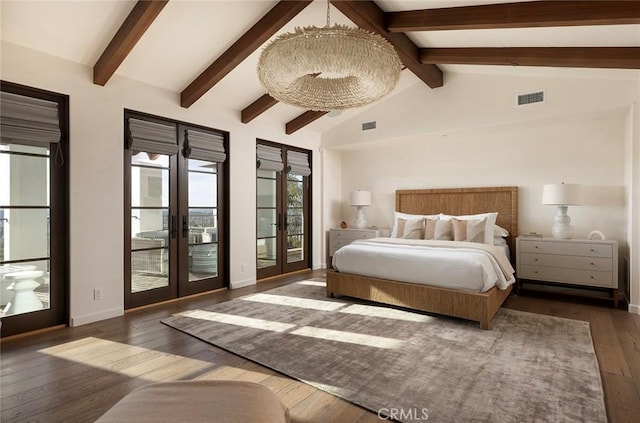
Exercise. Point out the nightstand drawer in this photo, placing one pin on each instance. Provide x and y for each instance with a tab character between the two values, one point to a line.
353	235
567	262
575	276
335	245
566	248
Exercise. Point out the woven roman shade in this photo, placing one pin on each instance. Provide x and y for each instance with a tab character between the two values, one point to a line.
28	121
298	163
269	158
152	137
204	146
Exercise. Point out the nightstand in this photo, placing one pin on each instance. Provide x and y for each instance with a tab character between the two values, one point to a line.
580	262
340	237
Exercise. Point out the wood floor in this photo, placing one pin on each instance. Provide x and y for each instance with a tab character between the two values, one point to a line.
76	374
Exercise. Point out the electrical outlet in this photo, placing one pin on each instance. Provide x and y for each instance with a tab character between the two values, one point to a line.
97	294
243	267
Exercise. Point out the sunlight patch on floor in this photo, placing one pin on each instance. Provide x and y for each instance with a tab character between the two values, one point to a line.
312	283
349	337
127	360
387	313
294	302
238	320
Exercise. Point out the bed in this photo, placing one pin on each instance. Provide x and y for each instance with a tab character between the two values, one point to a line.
476	306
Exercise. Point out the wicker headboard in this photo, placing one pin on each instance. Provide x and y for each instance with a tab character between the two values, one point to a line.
462	201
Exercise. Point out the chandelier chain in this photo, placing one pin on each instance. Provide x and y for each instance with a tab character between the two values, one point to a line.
328	15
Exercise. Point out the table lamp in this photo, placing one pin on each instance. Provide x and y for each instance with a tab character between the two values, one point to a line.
360	200
562	195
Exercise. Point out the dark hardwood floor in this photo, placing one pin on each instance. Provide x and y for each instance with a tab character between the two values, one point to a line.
76	374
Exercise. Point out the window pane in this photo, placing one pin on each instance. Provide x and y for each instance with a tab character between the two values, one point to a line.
24	180
295	251
25	234
269	174
203	226
266	192
149	269
295	221
203	189
266	223
3	225
295	194
149	187
150	159
202	166
294	177
24	149
149	224
203	261
30	281
266	249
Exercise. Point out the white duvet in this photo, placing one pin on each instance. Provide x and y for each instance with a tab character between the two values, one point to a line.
459	265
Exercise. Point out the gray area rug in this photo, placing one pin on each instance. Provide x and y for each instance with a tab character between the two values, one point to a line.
528	368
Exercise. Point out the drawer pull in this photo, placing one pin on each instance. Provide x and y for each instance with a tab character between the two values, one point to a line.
592	264
535	259
535	246
592	250
591	277
535	272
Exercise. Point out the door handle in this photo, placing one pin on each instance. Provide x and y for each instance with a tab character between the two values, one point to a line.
174	226
185	227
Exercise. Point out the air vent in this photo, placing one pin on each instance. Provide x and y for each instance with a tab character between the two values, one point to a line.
369	125
531	98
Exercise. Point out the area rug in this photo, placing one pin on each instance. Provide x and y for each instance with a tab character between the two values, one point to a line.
412	366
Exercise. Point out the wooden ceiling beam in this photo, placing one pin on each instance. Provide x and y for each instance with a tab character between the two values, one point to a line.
573	57
249	42
367	15
303	120
256	108
139	20
516	15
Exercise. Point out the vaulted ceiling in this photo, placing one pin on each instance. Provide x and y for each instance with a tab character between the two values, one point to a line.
208	50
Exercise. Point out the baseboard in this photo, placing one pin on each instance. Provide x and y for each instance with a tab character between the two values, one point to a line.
321	266
242	284
95	317
633	308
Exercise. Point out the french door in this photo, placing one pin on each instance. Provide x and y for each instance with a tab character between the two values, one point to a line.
175	214
33	209
283	209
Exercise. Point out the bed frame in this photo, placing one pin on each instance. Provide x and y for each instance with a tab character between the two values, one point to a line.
480	307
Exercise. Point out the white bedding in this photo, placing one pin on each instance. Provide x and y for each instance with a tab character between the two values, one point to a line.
459	265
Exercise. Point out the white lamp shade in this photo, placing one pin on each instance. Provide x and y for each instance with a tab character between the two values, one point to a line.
562	194
360	198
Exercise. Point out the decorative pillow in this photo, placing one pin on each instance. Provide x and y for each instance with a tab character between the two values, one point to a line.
397	215
437	229
489	225
410	228
471	230
499	231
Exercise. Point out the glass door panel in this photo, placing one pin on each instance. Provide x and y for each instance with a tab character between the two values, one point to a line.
149	221
24	229
267	247
202	220
295	219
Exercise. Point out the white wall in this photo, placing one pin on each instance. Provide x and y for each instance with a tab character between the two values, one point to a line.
632	177
96	172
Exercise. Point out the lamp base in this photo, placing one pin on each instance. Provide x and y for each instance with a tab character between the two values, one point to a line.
360	221
562	228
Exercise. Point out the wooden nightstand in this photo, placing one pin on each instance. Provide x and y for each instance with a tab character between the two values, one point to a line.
579	262
341	237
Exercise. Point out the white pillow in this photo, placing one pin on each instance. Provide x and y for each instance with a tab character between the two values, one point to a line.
410	228
490	223
498	240
396	215
499	231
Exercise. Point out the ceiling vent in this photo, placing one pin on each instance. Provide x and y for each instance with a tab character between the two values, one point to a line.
369	125
531	98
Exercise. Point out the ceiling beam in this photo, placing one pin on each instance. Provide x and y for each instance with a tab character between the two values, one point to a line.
302	121
249	42
516	15
139	20
367	15
256	108
573	57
